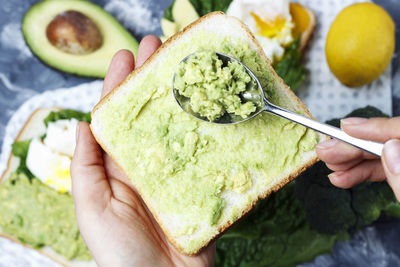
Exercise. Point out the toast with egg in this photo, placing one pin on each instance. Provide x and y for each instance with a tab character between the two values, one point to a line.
35	127
196	178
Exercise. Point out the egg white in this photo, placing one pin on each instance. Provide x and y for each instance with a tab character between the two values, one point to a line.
60	136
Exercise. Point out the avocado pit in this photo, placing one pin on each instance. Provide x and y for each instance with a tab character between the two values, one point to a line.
74	33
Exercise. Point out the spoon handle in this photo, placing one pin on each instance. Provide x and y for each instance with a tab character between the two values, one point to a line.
369	146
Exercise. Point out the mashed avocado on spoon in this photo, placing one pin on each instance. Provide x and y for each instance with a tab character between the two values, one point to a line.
236	89
213	87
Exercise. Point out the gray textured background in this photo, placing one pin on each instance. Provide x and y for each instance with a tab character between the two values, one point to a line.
23	75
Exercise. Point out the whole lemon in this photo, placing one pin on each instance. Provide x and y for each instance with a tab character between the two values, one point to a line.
360	44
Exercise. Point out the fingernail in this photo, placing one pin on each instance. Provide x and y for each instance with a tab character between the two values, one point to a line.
327	144
391	152
335	175
353	121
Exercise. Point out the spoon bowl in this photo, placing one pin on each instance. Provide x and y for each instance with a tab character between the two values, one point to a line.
253	93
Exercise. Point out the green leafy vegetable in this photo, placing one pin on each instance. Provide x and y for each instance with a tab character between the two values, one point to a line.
20	149
289	68
201	6
332	210
168	12
221	5
275	233
67	114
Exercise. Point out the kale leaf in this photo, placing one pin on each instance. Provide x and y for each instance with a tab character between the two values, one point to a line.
289	68
275	233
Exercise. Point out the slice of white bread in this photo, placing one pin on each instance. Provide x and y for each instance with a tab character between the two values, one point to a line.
35	127
141	107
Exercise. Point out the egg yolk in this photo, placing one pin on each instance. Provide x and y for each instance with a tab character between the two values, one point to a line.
270	28
63	179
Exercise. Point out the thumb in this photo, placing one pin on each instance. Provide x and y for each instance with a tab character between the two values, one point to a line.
391	164
90	187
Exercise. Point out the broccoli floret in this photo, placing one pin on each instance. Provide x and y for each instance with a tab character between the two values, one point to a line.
332	210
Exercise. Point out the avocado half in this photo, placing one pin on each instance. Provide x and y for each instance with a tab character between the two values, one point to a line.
93	64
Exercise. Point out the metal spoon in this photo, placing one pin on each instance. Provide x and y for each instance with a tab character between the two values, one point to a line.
257	95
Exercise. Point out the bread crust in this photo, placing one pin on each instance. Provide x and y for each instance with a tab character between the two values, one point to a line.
305	37
278	81
14	161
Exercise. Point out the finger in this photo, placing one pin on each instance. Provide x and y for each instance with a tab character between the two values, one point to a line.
90	188
344	166
147	47
122	192
375	129
391	165
335	152
371	170
121	65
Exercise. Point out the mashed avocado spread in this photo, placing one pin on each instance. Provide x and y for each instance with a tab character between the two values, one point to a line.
188	168
213	89
40	216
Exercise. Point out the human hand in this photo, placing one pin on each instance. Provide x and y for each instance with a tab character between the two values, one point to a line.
352	166
114	222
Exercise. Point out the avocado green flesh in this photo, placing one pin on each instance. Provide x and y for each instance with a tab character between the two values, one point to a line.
184	166
94	64
212	88
40	216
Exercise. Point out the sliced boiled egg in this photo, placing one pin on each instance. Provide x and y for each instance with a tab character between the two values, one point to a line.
269	20
60	136
275	24
52	168
49	160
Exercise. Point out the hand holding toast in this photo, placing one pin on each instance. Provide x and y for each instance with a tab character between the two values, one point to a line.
352	166
114	222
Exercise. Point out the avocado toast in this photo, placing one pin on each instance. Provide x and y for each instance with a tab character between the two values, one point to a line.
33	214
198	179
